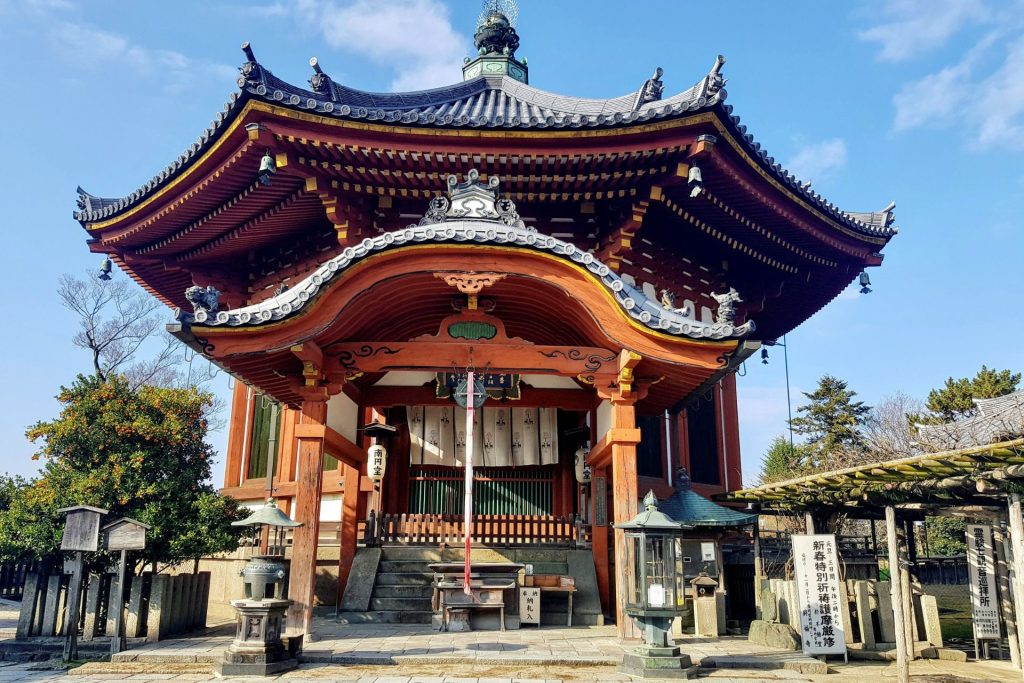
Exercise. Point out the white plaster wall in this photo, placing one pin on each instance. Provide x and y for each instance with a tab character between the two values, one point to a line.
404	378
550	382
343	416
330	507
604	418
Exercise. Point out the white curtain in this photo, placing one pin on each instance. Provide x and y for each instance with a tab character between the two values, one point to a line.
505	437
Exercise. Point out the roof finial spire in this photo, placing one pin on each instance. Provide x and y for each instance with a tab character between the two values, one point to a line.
496	42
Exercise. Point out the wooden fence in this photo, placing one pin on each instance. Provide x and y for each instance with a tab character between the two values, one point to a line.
158	605
488	530
12	578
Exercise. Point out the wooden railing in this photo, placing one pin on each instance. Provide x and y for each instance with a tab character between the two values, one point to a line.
488	530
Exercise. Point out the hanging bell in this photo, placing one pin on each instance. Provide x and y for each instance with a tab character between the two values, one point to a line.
105	267
267	168
865	283
695	181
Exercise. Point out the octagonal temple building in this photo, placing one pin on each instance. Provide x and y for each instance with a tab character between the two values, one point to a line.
602	266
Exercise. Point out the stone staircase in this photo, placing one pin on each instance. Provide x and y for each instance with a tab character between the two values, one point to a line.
400	591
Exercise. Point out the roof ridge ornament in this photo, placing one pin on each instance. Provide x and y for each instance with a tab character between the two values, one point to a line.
473	199
714	81
495	28
321	83
651	90
251	71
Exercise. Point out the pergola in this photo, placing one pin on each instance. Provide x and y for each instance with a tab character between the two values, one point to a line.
980	481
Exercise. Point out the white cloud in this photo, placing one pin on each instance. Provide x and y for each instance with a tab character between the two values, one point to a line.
818	160
413	37
87	47
987	105
917	26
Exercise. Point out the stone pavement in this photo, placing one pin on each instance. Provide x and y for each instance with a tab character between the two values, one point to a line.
8	618
369	644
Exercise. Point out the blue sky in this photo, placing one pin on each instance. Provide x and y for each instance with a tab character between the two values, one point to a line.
921	101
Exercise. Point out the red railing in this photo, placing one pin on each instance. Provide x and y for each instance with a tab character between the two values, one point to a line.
488	530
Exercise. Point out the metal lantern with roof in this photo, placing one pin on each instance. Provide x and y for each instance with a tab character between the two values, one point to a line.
654	588
257	649
266	571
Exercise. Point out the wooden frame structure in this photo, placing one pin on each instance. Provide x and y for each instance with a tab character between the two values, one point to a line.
981	481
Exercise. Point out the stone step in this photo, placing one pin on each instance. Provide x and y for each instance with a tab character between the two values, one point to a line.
435	554
400	604
539	567
402	591
384	617
404	566
403	579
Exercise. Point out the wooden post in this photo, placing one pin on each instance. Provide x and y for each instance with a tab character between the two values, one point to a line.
74	601
310	432
907	594
117	605
756	533
902	661
349	526
1005	600
1017	539
624	497
808	522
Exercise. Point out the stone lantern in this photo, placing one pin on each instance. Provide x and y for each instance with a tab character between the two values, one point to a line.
654	592
257	649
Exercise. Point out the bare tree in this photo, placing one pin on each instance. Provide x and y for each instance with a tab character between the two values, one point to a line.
888	430
123	330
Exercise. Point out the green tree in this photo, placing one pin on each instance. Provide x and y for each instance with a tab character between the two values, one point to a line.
946	535
832	420
955	399
783	461
138	452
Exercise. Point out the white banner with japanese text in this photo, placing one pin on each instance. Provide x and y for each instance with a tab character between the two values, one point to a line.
982	567
816	565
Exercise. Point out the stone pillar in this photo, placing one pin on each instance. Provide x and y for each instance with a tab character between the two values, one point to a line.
112	603
53	606
1005	601
844	597
624	437
158	622
867	629
930	617
30	603
92	607
310	432
886	623
203	600
705	617
132	622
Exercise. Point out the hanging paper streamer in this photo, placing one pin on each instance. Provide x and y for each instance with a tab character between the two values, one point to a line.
468	513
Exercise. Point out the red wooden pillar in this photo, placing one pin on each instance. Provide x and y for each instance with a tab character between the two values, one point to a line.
349	525
310	432
624	438
239	431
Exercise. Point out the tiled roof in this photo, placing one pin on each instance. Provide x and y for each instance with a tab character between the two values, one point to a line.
689	508
999	419
483	102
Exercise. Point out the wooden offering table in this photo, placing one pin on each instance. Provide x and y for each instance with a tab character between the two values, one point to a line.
493	586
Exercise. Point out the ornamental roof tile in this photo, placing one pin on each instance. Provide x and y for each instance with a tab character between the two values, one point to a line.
483	102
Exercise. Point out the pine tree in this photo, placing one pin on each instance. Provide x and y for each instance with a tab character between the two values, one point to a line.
831	421
955	399
783	461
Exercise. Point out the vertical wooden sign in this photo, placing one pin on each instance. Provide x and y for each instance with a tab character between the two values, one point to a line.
600	495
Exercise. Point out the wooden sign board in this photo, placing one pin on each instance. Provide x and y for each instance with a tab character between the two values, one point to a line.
600	487
529	606
81	529
125	534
